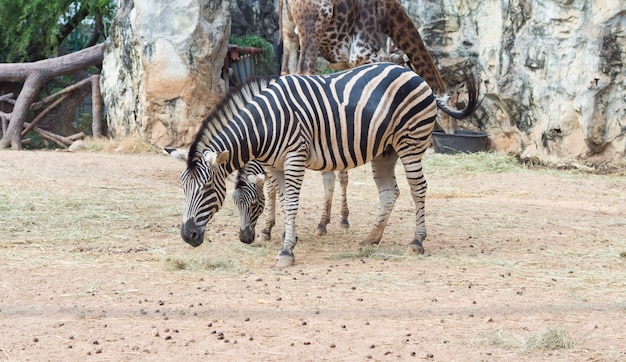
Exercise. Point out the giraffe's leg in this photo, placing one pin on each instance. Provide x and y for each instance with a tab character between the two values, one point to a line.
329	189
417	183
343	181
270	208
388	191
290	41
290	183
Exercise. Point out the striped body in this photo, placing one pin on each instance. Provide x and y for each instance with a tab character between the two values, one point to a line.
373	113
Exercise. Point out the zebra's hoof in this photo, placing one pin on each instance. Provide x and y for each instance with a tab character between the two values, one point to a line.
367	242
263	236
321	230
345	224
285	259
415	248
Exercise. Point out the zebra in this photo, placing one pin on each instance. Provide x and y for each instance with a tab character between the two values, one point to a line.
247	195
376	113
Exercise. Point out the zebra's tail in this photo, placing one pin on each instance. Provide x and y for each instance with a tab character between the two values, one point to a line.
472	103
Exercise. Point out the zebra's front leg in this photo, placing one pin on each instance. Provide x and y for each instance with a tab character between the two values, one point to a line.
290	185
388	192
270	208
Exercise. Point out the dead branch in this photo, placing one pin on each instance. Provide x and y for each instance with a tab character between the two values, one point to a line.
43	113
65	90
6	97
96	100
60	140
35	75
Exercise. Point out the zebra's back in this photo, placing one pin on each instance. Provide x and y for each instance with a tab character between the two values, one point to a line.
350	118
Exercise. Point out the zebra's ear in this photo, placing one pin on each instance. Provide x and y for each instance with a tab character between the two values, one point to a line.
214	158
176	153
257	179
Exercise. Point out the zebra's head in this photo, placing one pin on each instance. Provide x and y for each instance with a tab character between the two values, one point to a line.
249	198
204	185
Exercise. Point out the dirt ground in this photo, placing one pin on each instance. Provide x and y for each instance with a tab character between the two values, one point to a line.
520	264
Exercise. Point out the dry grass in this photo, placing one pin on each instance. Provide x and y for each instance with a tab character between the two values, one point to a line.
549	339
466	164
213	265
128	145
78	225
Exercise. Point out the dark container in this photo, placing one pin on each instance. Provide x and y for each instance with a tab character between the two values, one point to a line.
459	142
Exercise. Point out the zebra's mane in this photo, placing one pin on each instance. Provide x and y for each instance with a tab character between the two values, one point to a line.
224	111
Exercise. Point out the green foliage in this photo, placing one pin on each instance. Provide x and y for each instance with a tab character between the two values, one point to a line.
266	59
32	30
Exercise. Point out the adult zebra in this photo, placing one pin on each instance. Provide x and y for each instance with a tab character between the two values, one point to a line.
374	113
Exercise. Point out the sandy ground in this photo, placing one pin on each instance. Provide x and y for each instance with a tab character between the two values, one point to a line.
519	265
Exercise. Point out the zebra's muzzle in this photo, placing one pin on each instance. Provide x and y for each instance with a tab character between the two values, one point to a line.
191	233
246	235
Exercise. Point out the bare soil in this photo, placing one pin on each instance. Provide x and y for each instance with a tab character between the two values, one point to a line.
520	264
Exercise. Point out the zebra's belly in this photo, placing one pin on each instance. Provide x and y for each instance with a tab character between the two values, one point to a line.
338	159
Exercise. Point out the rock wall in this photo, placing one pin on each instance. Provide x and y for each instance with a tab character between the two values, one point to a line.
162	66
552	72
258	17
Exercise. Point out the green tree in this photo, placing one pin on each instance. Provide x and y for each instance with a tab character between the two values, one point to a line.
32	30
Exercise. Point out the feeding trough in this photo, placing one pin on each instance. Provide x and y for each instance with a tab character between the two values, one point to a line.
459	142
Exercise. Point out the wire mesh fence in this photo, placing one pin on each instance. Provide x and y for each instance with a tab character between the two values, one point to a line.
68	114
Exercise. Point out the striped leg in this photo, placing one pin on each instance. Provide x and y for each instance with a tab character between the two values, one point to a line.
417	182
329	189
343	181
270	208
291	184
388	191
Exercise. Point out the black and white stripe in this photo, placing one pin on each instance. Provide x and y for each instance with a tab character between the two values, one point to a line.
374	113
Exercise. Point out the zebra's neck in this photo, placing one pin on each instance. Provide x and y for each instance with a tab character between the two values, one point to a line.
232	126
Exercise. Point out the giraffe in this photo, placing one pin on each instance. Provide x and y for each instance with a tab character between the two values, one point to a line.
347	34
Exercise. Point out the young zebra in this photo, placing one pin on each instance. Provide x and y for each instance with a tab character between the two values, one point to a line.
374	113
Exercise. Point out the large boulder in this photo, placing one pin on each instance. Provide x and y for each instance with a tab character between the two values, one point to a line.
552	72
162	66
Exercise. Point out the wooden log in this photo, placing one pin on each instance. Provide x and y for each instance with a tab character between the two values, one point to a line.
6	97
71	88
61	140
96	111
35	75
77	136
43	113
4	119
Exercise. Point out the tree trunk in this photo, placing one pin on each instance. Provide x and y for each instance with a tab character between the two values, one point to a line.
36	74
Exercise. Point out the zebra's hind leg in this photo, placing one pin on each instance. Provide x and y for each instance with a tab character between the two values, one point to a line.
388	192
417	183
329	190
343	181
